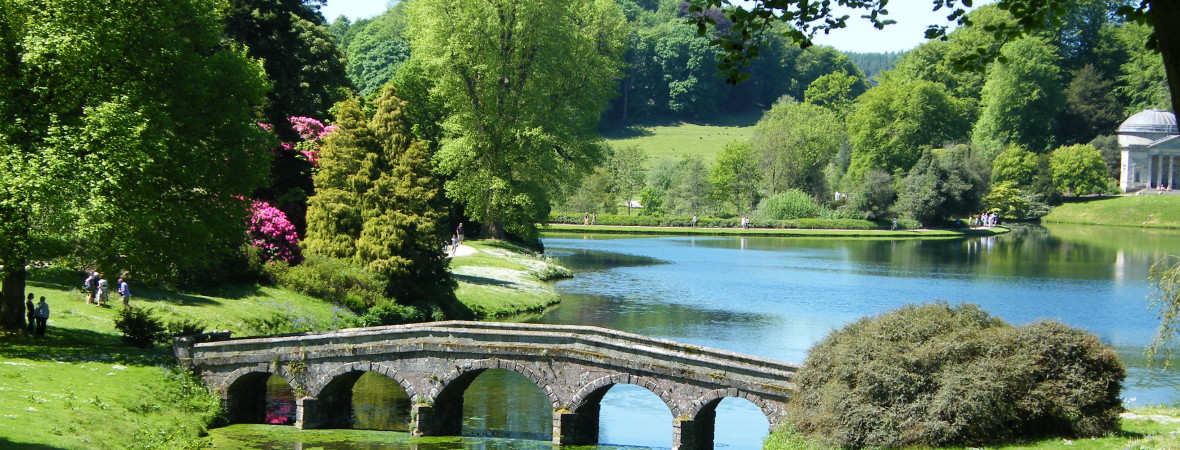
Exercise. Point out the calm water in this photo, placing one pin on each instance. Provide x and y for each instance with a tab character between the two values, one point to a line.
775	297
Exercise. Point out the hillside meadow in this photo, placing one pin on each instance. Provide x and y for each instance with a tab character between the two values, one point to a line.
1145	211
674	139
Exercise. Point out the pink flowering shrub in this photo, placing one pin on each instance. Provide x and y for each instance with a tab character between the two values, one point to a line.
270	231
313	132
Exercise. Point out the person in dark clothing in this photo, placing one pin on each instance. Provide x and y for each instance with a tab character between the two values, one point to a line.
42	316
31	313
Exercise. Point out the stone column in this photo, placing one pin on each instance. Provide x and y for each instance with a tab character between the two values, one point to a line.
1171	170
1150	170
580	428
694	434
436	420
308	413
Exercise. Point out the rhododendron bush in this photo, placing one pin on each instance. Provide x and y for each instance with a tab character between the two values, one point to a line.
270	231
313	132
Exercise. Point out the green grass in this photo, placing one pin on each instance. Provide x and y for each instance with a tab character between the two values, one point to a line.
1147	211
771	232
79	387
673	140
502	280
1138	433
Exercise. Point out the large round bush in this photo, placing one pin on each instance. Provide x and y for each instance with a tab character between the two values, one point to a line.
936	375
792	204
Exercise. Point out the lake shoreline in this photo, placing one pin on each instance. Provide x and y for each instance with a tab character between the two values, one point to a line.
924	233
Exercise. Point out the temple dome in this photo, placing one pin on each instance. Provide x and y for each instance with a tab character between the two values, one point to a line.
1150	121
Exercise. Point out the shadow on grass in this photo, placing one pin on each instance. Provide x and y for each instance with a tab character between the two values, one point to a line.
74	345
483	281
7	444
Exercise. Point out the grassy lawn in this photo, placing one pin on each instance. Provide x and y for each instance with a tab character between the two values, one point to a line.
80	387
673	140
771	232
500	279
1149	428
1148	211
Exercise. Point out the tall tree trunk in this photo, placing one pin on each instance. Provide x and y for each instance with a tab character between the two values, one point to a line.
1165	17
12	304
493	230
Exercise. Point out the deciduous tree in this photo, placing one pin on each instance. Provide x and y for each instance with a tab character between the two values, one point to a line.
793	142
735	177
129	137
1078	170
522	84
1021	99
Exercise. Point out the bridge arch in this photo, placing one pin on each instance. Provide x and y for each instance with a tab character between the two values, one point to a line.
447	396
322	381
465	374
707	404
243	392
593	392
329	403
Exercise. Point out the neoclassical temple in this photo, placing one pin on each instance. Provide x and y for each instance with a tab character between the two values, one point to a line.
1150	145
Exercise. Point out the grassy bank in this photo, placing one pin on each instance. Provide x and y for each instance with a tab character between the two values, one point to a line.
501	279
80	387
773	232
1145	211
1142	429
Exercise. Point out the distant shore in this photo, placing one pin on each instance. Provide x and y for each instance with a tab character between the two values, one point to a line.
921	233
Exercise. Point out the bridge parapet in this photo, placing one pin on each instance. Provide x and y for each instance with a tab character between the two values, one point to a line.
435	362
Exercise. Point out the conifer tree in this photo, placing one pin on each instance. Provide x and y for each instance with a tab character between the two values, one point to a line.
377	203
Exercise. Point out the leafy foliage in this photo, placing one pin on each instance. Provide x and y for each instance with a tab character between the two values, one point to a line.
378	204
938	375
735	177
1079	170
794	142
1021	99
896	120
792	204
522	85
123	124
1165	297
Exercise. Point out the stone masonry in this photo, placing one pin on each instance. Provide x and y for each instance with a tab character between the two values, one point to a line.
435	363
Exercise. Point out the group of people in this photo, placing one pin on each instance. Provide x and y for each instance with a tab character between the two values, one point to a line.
984	220
451	247
37	314
745	222
98	290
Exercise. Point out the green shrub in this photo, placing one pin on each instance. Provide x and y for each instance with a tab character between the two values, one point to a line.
179	327
334	280
140	327
388	313
792	204
938	375
826	220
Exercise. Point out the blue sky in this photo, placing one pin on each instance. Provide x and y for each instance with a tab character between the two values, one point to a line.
912	17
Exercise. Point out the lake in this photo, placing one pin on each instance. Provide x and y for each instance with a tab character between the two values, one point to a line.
775	297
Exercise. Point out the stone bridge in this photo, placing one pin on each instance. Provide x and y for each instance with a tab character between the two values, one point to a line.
573	366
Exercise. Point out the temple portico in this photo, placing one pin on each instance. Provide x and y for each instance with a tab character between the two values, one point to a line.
1149	143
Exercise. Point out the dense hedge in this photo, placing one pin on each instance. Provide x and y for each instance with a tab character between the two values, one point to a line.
733	222
939	375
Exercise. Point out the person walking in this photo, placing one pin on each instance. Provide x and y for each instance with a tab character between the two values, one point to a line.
459	233
125	292
88	286
31	313
42	316
103	294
